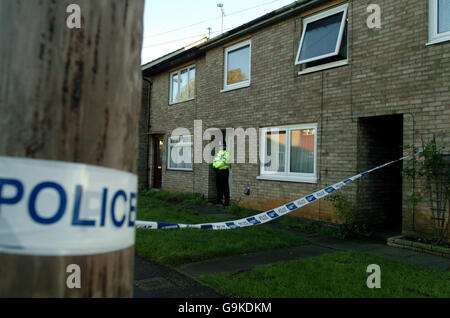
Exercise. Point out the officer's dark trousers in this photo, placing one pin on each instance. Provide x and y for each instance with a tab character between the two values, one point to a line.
223	189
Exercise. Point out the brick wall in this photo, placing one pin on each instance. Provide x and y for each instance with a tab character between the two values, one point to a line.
390	71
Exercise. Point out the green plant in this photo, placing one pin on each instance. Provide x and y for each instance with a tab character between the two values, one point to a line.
346	230
314	227
239	211
431	167
344	207
347	213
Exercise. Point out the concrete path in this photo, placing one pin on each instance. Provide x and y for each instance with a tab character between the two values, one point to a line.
247	262
379	248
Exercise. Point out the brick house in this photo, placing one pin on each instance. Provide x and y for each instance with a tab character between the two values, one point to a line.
339	94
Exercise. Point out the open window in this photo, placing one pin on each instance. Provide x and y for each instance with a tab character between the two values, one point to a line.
324	39
439	21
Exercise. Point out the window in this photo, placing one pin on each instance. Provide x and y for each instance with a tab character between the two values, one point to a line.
439	21
237	65
324	39
180	153
289	153
182	85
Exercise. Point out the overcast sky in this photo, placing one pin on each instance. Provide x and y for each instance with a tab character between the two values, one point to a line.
172	24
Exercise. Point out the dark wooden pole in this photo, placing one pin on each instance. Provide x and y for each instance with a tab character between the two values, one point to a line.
71	95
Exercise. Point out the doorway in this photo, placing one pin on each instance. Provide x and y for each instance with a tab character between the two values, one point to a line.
158	146
212	190
229	144
379	195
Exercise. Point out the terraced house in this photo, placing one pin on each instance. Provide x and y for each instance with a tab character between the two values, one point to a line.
340	93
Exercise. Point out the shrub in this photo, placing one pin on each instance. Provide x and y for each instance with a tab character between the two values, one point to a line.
432	169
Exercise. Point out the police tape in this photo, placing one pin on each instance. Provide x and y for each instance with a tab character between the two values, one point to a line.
61	208
270	215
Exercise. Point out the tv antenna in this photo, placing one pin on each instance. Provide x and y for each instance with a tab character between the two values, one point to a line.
220	5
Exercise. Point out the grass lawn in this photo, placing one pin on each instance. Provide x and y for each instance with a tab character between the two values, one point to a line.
179	246
341	274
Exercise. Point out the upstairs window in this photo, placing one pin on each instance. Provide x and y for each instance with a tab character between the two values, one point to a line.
182	85
324	38
439	21
237	65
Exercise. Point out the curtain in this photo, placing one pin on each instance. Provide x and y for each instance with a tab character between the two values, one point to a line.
302	151
275	143
181	153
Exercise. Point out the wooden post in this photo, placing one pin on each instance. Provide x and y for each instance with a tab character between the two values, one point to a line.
70	95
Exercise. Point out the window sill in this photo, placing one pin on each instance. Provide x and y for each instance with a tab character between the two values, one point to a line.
174	169
287	178
181	102
438	40
323	67
232	88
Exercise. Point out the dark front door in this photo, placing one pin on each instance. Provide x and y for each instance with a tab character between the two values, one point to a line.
380	140
158	143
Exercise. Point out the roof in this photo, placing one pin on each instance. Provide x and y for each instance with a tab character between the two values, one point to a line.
191	52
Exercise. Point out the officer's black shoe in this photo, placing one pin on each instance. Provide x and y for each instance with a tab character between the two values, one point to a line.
219	203
226	204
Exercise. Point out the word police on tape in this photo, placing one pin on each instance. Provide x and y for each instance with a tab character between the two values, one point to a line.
56	208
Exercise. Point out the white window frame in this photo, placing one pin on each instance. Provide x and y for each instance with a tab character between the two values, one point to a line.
169	151
188	68
433	25
323	67
319	16
242	84
286	175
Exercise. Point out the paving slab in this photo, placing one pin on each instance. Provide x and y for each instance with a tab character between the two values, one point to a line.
431	261
248	261
393	252
152	280
342	245
413	257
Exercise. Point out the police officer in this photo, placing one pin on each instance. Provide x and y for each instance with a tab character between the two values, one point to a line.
222	166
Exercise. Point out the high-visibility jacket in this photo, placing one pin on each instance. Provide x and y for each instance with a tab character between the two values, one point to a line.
222	160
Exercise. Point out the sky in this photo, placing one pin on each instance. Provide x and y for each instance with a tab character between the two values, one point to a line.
172	24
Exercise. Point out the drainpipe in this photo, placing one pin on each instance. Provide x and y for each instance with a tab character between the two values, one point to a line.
150	83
